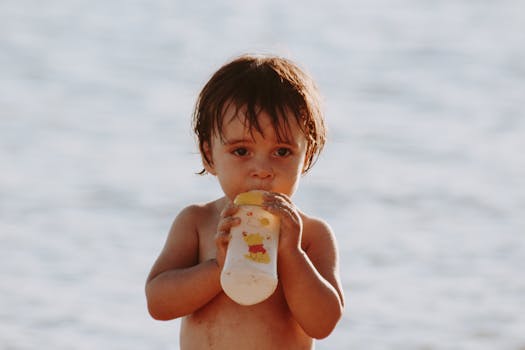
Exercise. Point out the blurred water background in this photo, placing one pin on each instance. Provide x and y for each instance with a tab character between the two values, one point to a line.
423	179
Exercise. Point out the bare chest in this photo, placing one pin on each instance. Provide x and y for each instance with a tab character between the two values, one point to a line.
207	231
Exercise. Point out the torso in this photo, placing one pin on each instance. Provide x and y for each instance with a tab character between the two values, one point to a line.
222	322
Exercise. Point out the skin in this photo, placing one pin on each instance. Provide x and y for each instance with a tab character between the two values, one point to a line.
184	281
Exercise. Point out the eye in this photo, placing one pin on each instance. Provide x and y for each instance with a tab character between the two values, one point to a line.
241	151
283	152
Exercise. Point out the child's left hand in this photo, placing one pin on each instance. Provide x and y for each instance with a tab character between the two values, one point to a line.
291	223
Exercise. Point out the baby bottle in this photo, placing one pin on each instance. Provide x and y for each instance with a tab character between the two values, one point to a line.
249	275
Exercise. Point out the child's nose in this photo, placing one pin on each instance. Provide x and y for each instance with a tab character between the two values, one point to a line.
262	169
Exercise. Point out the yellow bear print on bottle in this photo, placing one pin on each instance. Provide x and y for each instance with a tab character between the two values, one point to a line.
256	250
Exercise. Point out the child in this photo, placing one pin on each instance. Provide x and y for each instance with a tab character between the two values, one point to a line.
259	126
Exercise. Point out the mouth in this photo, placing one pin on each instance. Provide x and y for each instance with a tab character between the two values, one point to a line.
260	188
263	185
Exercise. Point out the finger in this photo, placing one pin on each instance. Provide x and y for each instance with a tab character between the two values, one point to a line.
283	210
279	209
222	237
227	223
275	197
283	197
278	200
229	209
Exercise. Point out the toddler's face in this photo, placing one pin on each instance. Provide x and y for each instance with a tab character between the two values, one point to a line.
246	160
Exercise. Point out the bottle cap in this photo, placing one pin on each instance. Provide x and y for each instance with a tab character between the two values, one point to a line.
255	197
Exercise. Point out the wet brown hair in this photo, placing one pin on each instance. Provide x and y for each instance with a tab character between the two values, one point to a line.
256	83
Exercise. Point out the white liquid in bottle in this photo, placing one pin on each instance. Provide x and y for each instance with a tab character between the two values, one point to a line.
249	275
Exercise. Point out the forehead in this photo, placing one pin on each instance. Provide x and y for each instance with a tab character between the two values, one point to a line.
239	120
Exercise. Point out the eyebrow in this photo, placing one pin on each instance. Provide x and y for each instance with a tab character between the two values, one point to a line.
232	142
225	141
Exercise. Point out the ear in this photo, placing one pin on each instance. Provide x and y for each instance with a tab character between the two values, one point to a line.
208	165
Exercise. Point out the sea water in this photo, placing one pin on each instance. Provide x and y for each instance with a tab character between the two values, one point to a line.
422	179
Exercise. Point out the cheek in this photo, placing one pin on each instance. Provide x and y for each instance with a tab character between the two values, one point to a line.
302	163
294	169
225	165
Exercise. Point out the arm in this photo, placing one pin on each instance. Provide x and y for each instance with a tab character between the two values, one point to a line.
171	285
311	284
310	280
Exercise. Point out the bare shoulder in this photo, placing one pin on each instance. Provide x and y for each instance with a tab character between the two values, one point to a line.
316	231
195	211
192	216
181	248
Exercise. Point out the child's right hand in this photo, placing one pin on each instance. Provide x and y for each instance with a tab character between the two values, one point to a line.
222	237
